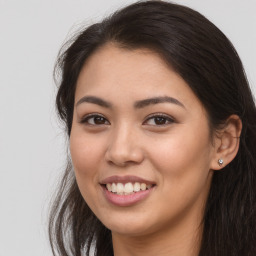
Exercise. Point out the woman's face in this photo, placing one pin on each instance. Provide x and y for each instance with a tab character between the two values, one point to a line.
140	143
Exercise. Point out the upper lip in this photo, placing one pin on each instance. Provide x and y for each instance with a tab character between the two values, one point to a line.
125	179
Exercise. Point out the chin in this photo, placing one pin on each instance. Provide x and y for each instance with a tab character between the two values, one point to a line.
129	224
129	230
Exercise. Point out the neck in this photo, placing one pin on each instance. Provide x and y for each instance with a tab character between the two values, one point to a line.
178	241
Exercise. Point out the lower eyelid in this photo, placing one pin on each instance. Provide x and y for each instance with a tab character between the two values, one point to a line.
169	119
85	118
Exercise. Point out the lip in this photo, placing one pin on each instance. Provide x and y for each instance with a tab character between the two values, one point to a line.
125	179
126	200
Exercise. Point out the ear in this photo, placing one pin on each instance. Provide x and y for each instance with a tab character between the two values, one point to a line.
226	143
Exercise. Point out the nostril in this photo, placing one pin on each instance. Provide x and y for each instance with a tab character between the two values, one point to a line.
123	154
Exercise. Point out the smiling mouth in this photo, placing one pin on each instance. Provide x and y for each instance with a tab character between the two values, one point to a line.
124	191
127	188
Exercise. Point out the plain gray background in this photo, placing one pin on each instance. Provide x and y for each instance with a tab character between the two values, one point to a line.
32	145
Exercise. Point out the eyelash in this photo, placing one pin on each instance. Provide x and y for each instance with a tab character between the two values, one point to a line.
164	118
167	118
85	120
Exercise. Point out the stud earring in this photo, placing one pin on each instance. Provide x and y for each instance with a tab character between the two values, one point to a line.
220	162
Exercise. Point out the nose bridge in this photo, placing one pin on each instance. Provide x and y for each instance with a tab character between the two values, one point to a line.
124	145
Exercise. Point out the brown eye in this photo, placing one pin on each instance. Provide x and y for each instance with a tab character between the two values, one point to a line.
95	120
159	120
99	120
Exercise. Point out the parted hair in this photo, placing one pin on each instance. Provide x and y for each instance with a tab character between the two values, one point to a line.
204	57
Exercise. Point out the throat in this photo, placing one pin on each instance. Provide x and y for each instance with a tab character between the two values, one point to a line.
163	245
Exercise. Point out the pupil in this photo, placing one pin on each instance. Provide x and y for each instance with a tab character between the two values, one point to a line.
99	120
160	120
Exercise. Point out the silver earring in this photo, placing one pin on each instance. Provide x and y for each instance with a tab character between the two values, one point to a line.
220	162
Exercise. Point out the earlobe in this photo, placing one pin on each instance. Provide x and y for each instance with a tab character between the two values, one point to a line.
227	143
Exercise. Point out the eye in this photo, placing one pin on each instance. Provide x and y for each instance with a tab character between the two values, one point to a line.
158	120
95	119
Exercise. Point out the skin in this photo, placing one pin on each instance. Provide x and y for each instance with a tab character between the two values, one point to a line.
178	153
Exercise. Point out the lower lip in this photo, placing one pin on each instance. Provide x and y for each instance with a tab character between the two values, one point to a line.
126	200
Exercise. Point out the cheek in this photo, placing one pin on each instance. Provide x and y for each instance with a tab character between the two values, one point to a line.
180	151
182	163
183	160
86	152
87	157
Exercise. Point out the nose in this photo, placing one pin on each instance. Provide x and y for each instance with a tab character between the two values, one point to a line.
124	147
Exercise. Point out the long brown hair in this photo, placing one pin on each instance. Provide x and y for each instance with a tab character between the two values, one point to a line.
203	56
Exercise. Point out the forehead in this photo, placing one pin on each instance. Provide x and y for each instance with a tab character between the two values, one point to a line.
118	64
130	74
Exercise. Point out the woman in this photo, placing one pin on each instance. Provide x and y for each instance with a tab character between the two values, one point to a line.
161	124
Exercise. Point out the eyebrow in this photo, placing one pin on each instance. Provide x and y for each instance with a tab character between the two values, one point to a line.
137	104
157	100
94	100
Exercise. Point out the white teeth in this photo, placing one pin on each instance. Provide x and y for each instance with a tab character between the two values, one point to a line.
143	186
109	187
127	188
113	189
119	188
136	187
